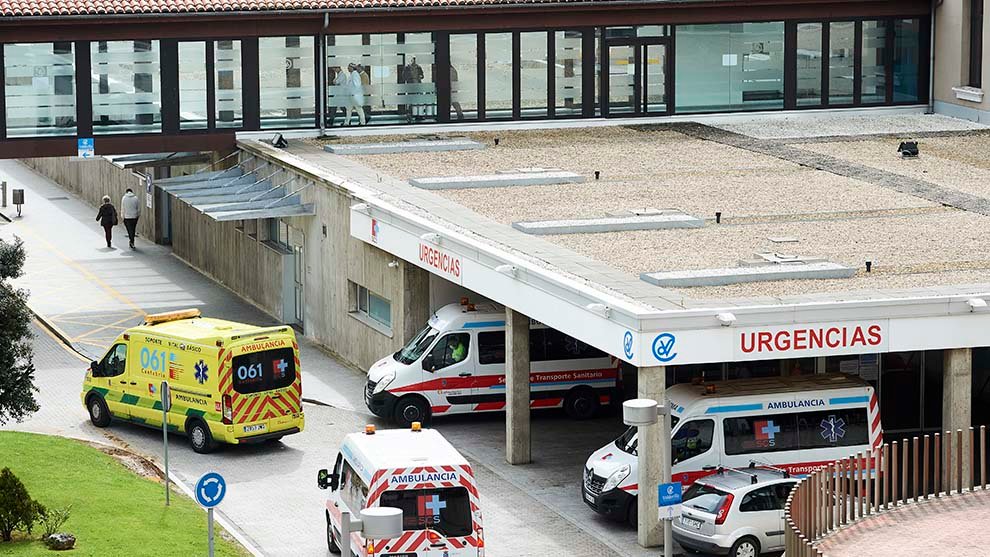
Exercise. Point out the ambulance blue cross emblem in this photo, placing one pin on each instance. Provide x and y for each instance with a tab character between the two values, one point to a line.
201	372
833	429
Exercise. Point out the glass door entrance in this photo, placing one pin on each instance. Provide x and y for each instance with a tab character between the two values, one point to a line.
636	79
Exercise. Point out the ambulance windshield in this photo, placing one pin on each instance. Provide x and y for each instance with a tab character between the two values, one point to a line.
263	371
446	511
415	348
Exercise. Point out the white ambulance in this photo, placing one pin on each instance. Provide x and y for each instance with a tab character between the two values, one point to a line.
456	364
796	423
415	470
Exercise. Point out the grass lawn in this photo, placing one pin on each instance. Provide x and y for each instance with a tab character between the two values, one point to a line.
115	512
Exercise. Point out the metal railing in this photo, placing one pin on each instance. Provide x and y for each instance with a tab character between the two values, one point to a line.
896	474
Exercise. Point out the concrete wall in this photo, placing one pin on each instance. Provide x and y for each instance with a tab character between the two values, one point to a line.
333	259
92	179
952	61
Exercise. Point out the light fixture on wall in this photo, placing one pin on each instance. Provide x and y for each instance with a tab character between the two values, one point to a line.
361	208
431	237
393	264
602	309
507	269
976	304
726	319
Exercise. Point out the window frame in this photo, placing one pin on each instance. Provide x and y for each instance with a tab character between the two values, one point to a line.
106	360
711	439
444	340
360	298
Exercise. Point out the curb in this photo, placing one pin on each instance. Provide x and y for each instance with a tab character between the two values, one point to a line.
59	334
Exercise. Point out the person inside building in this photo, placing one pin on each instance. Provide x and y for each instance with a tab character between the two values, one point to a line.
356	98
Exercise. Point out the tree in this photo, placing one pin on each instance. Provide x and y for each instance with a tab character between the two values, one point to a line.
17	510
16	368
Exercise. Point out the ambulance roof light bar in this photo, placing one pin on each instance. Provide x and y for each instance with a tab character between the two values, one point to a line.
156	318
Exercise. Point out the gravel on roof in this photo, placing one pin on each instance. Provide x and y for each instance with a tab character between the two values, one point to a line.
959	163
839	124
925	242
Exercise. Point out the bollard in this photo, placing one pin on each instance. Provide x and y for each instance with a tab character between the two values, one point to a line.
969	478
983	456
959	460
906	449
914	486
924	479
937	459
947	460
3	194
893	478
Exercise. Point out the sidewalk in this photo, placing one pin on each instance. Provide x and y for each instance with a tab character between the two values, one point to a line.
91	293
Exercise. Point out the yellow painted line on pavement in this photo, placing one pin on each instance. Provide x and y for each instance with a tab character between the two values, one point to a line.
83	270
58	341
114	325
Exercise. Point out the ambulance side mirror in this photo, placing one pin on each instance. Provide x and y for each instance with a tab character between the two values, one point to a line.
96	368
428	364
323	479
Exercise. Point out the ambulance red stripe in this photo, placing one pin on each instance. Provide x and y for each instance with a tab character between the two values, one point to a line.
485	406
247	411
439	409
545	402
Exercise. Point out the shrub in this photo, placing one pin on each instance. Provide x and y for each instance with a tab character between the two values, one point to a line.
17	510
52	520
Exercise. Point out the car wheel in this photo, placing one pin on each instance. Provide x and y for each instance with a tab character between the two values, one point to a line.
331	539
581	404
200	438
745	547
632	516
99	414
411	409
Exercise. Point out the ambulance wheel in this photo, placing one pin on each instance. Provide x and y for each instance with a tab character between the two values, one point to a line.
632	517
581	403
331	539
99	414
411	409
200	437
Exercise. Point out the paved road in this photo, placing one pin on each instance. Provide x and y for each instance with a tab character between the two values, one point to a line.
93	293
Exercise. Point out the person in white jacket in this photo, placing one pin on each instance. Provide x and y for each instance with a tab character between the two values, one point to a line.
131	209
356	100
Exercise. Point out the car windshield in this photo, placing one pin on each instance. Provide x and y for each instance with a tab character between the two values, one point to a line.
415	348
446	511
627	441
704	497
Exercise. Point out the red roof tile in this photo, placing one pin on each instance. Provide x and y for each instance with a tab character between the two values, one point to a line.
24	8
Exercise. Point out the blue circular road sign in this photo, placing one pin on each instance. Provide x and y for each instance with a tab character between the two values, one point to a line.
210	489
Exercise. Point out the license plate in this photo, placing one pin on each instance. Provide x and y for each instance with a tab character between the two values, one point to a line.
696	524
253	428
589	497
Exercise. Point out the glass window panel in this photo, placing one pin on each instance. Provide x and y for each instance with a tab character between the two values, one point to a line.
900	391
809	64
39	85
633	31
464	77
737	66
396	74
841	45
192	85
655	67
981	387
534	66
227	65
380	309
498	75
874	72
621	79
287	75
907	57
126	87
568	73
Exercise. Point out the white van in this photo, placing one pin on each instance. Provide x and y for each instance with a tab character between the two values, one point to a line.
415	470
797	423
456	364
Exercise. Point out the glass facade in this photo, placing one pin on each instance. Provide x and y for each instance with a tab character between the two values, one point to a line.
398	84
193	85
39	84
229	82
126	87
402	78
498	75
724	67
287	73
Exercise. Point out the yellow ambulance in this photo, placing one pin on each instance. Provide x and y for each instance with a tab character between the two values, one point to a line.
228	382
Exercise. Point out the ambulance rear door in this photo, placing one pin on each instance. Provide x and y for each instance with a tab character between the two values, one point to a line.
265	385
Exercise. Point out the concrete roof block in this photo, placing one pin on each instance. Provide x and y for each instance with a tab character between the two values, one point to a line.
417	146
736	275
497	180
610	224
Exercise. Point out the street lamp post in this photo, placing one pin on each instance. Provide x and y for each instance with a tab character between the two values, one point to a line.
376	523
641	413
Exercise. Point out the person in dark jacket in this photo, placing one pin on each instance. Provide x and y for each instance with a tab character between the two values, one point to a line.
107	217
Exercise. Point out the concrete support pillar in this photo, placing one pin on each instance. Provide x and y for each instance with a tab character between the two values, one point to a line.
652	384
518	446
957	405
415	300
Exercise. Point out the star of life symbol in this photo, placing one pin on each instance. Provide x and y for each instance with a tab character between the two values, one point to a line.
833	429
201	372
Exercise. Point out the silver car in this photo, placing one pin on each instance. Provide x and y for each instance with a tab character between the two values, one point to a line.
739	513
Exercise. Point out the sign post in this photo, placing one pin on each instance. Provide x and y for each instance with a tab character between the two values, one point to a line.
210	490
166	406
669	500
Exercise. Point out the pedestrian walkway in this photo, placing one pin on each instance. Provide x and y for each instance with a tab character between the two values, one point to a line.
90	293
955	525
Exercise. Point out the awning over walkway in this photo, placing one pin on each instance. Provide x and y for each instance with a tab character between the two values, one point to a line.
149	160
233	194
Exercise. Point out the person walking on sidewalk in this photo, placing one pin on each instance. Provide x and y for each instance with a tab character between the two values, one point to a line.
131	209
107	217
